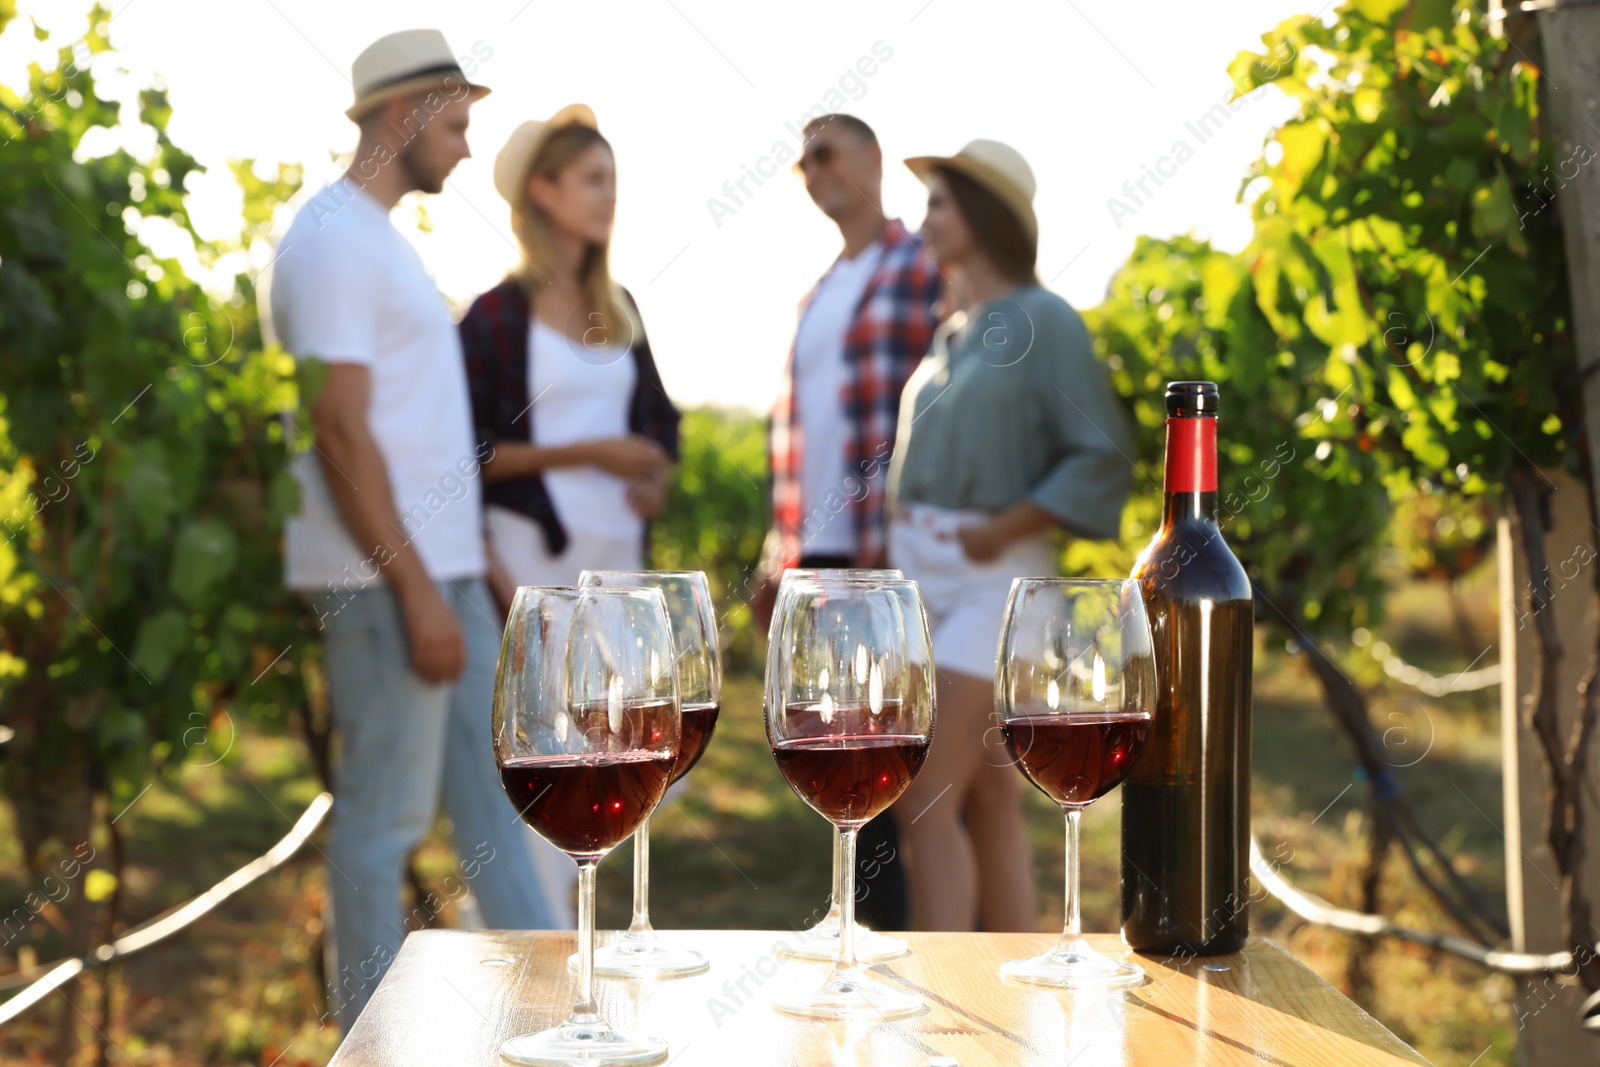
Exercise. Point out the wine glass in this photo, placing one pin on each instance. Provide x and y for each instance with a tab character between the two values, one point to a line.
639	953
586	730
820	941
1076	684
849	711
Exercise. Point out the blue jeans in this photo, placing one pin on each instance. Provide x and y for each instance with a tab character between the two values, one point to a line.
402	742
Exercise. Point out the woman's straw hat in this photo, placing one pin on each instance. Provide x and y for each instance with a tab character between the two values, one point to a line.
522	148
997	167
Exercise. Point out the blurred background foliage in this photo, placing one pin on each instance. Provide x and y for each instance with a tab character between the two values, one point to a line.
717	516
142	469
1395	337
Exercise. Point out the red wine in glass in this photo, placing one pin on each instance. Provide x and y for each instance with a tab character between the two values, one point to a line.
1075	683
697	667
850	778
849	707
585	724
1075	760
699	723
586	804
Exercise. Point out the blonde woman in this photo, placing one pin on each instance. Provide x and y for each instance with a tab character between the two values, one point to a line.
566	400
567	407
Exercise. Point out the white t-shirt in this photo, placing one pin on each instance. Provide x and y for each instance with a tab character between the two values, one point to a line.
582	394
819	381
347	287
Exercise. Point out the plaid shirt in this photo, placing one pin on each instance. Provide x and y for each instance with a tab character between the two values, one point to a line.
891	332
494	340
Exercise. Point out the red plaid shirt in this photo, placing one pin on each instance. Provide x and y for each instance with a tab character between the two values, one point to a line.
891	332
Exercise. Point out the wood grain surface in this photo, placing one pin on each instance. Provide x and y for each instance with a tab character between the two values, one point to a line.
453	996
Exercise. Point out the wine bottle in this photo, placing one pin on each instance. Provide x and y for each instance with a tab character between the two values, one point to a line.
1186	804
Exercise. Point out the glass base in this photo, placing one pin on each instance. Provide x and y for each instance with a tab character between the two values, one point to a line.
850	995
574	1043
644	956
1074	965
821	944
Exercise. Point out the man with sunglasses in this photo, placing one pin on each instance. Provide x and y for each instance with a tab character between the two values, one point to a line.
863	329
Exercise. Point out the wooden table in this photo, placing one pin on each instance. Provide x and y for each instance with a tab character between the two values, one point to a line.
452	996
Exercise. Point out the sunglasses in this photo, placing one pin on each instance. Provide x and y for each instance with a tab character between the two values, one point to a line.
822	155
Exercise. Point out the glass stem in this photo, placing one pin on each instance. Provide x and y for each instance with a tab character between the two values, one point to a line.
1072	931
847	899
585	1010
833	887
641	881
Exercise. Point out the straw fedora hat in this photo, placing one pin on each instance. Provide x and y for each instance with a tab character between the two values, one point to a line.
401	63
522	148
997	167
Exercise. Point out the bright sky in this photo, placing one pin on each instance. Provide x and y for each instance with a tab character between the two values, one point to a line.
692	91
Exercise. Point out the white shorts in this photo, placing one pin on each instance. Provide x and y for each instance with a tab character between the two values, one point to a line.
965	600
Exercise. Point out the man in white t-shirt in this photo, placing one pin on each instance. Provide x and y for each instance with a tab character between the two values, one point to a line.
387	546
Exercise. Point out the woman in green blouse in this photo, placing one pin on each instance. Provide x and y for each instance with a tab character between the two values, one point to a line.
1008	432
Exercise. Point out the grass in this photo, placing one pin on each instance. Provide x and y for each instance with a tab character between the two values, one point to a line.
737	849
